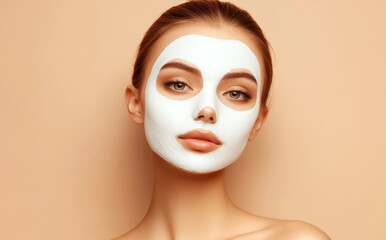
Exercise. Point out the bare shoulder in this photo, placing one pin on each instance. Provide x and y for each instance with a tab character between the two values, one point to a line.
285	230
299	230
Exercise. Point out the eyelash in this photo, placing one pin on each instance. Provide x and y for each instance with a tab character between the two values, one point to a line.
172	83
245	96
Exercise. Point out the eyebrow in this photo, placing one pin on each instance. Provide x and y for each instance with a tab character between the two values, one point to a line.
181	66
240	75
195	71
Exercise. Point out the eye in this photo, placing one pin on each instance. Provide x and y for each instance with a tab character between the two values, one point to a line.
237	95
177	85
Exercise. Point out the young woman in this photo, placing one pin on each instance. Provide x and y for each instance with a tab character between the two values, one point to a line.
200	86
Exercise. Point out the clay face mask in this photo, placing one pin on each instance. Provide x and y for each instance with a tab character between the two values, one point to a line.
167	118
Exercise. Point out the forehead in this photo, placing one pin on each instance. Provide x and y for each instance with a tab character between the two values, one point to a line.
214	57
225	32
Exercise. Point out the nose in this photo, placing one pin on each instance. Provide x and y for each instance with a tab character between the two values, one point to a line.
207	115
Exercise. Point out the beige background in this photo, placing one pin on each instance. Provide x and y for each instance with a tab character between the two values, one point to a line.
74	166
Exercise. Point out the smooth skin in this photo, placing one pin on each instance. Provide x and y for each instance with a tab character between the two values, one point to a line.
186	206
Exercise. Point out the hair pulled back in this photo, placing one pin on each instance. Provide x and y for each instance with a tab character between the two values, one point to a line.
212	12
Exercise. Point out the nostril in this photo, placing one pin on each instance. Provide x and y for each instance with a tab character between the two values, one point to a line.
207	115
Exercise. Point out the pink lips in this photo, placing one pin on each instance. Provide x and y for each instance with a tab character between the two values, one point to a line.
199	141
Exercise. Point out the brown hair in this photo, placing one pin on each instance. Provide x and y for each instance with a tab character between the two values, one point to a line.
210	11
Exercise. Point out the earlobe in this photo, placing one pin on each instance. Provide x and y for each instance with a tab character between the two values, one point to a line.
134	104
259	122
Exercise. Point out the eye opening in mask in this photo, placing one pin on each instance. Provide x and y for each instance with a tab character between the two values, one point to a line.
178	86
238	89
237	95
179	80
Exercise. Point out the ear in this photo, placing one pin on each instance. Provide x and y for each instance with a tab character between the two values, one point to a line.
259	122
134	104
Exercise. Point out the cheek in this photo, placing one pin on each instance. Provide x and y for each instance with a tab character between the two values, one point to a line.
172	116
236	125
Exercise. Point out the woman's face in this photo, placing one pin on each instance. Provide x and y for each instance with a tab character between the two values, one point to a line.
202	96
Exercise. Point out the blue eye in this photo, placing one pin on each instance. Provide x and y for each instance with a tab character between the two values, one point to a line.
237	95
177	85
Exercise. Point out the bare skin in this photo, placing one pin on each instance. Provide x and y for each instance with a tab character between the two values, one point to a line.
191	206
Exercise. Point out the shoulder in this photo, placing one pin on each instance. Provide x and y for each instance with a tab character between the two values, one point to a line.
276	229
299	230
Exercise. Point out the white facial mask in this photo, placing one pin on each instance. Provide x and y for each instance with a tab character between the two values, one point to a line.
167	118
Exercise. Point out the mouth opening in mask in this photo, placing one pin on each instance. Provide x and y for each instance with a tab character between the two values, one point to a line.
199	140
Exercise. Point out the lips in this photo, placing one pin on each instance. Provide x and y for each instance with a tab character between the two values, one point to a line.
199	141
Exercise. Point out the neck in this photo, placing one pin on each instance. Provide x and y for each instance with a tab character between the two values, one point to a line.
184	202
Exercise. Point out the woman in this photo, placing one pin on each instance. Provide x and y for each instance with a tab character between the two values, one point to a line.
200	86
